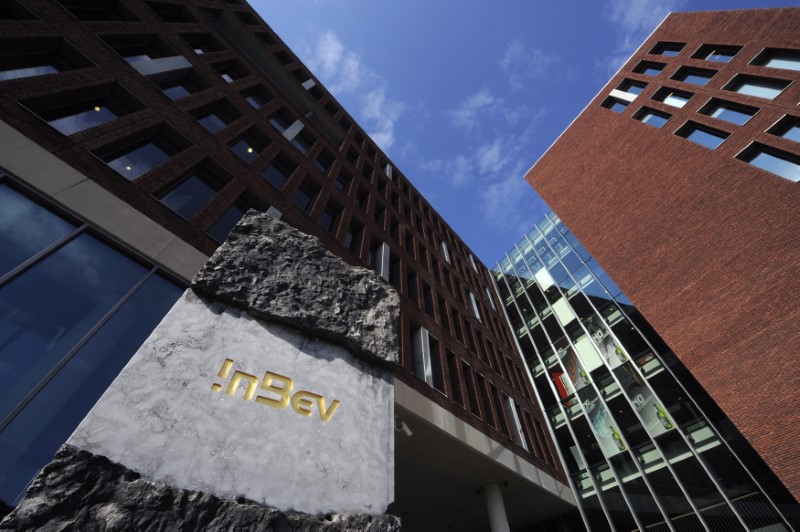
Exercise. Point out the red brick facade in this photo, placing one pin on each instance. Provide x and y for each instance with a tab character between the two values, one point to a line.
706	245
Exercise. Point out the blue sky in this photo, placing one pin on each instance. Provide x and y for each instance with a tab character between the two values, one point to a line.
465	95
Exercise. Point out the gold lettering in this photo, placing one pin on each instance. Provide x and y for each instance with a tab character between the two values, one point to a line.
283	391
324	413
223	373
238	376
302	404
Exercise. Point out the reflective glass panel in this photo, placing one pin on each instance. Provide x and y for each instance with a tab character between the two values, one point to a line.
83	115
25	229
212	122
786	60
703	137
653	119
730	114
175	90
777	164
223	227
675	100
139	161
187	198
32	438
27	66
247	151
44	312
760	89
792	133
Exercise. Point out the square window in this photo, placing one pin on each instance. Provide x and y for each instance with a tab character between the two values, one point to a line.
24	58
705	136
778	58
179	84
86	108
279	170
778	162
649	68
695	76
303	142
220	230
668	49
281	120
139	157
229	71
672	97
717	52
632	87
787	127
652	117
728	111
257	97
218	117
188	196
615	104
250	145
201	43
304	195
766	88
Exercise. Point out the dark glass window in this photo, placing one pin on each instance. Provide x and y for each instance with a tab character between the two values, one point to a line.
250	145
139	158
615	104
180	87
788	127
97	9
778	162
303	142
329	217
343	180
352	239
730	112
695	76
229	71
304	196
169	12
672	97
779	58
220	230
219	116
667	49
22	58
649	68
705	136
279	170
19	238
323	162
632	87
13	10
280	120
766	88
192	193
257	98
201	43
652	117
138	47
718	53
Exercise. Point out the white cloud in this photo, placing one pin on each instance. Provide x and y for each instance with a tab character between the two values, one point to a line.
633	21
522	64
348	78
489	158
480	102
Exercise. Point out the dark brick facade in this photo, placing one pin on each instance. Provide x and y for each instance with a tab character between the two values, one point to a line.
388	210
704	244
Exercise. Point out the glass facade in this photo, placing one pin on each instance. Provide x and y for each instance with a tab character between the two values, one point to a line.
73	310
643	445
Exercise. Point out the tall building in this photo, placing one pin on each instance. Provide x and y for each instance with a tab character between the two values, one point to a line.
134	134
681	179
644	445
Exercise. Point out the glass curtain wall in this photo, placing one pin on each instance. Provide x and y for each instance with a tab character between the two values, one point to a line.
643	444
73	310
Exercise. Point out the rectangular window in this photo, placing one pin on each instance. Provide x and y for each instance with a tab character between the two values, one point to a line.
705	136
13	10
303	142
83	109
201	43
185	84
787	127
257	97
169	12
486	402
667	49
281	120
230	71
304	196
250	145
323	162
728	111
330	216
343	180
695	76
191	194
23	58
778	162
352	239
652	117
445	251
138	158
279	170
218	116
649	68
767	88
220	230
469	384
778	58
474	305
672	97
718	53
615	104
411	286
632	87
452	374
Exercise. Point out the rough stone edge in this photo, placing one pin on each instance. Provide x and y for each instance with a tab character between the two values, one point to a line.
79	490
381	348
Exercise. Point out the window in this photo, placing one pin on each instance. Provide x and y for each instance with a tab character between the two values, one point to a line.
787	127
257	97
169	12
445	251
615	104
652	117
343	180
23	58
304	195
98	9
136	48
705	136
180	83
13	10
767	88
281	120
229	71
329	216
77	110
220	230
303	142
323	162
649	68
218	116
632	87
250	145
719	53
279	170
728	111
188	196
141	156
778	58
668	49
352	238
772	160
672	97
201	43
695	76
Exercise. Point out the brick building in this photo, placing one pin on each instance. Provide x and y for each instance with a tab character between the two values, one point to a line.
681	179
133	135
